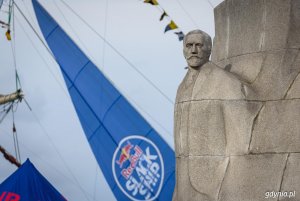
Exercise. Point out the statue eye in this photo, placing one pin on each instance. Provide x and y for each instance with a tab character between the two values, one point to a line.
199	45
188	45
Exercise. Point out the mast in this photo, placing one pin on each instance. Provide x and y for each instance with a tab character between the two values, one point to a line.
18	95
9	157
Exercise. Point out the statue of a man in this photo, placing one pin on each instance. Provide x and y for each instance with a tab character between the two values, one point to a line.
205	130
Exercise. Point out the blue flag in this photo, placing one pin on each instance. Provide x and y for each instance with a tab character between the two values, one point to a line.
136	162
27	184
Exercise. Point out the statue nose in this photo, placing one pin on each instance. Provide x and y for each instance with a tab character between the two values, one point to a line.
194	49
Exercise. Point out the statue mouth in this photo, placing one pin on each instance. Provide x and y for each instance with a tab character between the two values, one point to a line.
194	57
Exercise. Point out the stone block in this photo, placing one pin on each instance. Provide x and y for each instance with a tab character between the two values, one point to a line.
277	128
249	177
215	83
250	26
276	23
278	72
294	91
220	50
246	67
206	174
184	189
221	127
294	29
291	178
186	87
206	129
245	26
181	128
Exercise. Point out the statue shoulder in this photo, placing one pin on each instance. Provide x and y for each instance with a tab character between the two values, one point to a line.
214	82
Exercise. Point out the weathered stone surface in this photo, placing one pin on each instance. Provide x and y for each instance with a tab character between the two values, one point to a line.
246	67
279	70
237	117
186	87
276	23
220	127
291	178
184	189
220	50
277	128
181	128
206	174
249	177
294	91
214	83
293	40
245	26
249	26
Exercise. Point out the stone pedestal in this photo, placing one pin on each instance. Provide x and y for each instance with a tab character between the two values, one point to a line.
237	131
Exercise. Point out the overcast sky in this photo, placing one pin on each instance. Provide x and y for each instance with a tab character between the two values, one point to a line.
51	135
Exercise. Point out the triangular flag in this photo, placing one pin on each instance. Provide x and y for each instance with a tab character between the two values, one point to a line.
163	15
171	26
180	35
8	36
152	2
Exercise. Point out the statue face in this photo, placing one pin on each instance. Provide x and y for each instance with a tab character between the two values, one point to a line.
195	50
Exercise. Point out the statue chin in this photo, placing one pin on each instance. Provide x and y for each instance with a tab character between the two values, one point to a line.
196	64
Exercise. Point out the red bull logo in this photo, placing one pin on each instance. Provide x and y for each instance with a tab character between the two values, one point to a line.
125	154
9	196
138	168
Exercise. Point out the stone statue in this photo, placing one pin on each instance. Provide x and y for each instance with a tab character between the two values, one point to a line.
237	133
200	121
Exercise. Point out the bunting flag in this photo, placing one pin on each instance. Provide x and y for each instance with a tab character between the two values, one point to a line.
171	26
163	15
180	35
152	2
8	36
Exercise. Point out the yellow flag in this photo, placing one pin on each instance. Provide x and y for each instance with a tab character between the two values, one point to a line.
8	36
152	2
171	26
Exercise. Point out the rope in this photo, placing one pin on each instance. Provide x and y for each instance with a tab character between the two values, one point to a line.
137	105
9	157
58	153
212	6
43	59
187	13
119	53
35	32
15	138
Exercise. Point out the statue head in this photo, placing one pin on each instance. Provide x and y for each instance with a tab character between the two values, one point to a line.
197	48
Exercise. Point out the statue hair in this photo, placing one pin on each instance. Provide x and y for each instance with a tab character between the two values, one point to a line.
207	38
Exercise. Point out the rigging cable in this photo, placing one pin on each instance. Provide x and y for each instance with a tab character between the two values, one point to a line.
72	29
15	135
42	159
187	13
212	6
135	103
9	157
51	54
59	154
35	116
43	59
119	53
